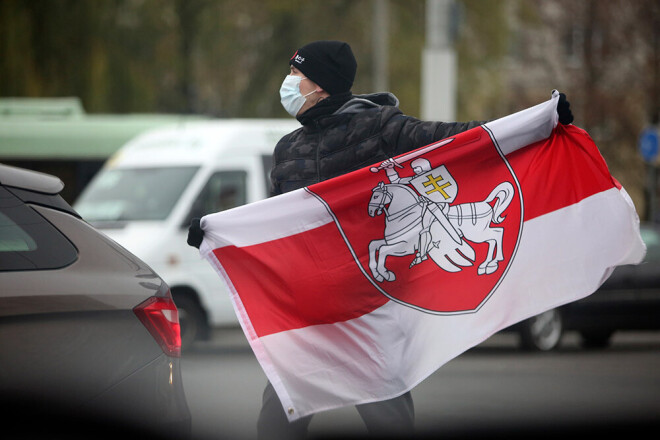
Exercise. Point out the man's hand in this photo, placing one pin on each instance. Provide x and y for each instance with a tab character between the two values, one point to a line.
195	233
564	110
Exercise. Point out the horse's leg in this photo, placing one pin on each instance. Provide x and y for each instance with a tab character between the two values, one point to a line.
491	263
374	246
397	249
499	237
480	232
381	270
483	267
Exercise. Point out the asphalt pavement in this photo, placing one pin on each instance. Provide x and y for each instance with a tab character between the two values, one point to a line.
493	390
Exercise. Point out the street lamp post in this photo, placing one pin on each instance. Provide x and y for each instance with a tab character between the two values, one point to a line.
439	64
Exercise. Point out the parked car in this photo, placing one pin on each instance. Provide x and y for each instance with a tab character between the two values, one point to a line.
85	326
628	300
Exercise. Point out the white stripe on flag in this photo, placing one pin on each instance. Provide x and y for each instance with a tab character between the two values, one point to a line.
526	126
288	214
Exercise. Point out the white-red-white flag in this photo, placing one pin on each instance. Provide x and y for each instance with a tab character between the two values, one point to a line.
356	289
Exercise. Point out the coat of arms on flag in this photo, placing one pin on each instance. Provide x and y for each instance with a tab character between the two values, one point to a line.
433	220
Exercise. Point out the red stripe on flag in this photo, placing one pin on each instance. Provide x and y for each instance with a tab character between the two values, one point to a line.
283	288
560	171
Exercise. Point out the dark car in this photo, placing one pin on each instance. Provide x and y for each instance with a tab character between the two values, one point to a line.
87	330
628	300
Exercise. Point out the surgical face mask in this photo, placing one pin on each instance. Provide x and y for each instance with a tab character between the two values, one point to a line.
290	97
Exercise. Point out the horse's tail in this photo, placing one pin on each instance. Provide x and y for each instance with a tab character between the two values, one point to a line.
504	194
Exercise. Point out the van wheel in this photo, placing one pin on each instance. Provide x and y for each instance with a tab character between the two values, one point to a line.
542	332
191	318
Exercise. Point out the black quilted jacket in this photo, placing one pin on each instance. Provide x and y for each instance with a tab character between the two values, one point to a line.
366	130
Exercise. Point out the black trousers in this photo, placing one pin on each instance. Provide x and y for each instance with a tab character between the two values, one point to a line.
387	418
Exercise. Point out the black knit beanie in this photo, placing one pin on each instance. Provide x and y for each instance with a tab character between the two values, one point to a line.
330	64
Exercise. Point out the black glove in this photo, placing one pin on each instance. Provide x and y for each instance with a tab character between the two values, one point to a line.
564	110
195	233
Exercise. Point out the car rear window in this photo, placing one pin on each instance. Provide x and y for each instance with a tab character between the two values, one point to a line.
28	241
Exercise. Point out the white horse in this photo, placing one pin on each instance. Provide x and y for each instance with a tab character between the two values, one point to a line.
404	215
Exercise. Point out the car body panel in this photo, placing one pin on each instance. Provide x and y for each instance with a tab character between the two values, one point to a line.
69	336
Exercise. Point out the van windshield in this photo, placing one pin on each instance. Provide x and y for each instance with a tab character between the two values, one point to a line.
133	193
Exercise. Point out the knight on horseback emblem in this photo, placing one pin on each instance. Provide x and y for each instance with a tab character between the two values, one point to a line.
437	189
420	219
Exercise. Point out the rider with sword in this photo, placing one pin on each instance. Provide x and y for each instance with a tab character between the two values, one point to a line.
438	208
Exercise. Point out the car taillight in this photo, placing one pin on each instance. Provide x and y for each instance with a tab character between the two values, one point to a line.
160	316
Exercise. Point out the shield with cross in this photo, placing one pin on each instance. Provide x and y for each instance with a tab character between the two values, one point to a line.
436	185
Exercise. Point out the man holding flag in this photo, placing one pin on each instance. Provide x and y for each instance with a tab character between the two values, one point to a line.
342	133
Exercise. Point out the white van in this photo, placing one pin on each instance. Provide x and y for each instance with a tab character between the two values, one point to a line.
147	193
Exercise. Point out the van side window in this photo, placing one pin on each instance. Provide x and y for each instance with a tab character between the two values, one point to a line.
224	190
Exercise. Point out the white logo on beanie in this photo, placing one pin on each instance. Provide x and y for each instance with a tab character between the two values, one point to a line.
298	59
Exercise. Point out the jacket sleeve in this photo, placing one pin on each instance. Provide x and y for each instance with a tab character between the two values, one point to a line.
411	133
274	187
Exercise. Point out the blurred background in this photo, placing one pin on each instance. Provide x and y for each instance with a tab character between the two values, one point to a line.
78	78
